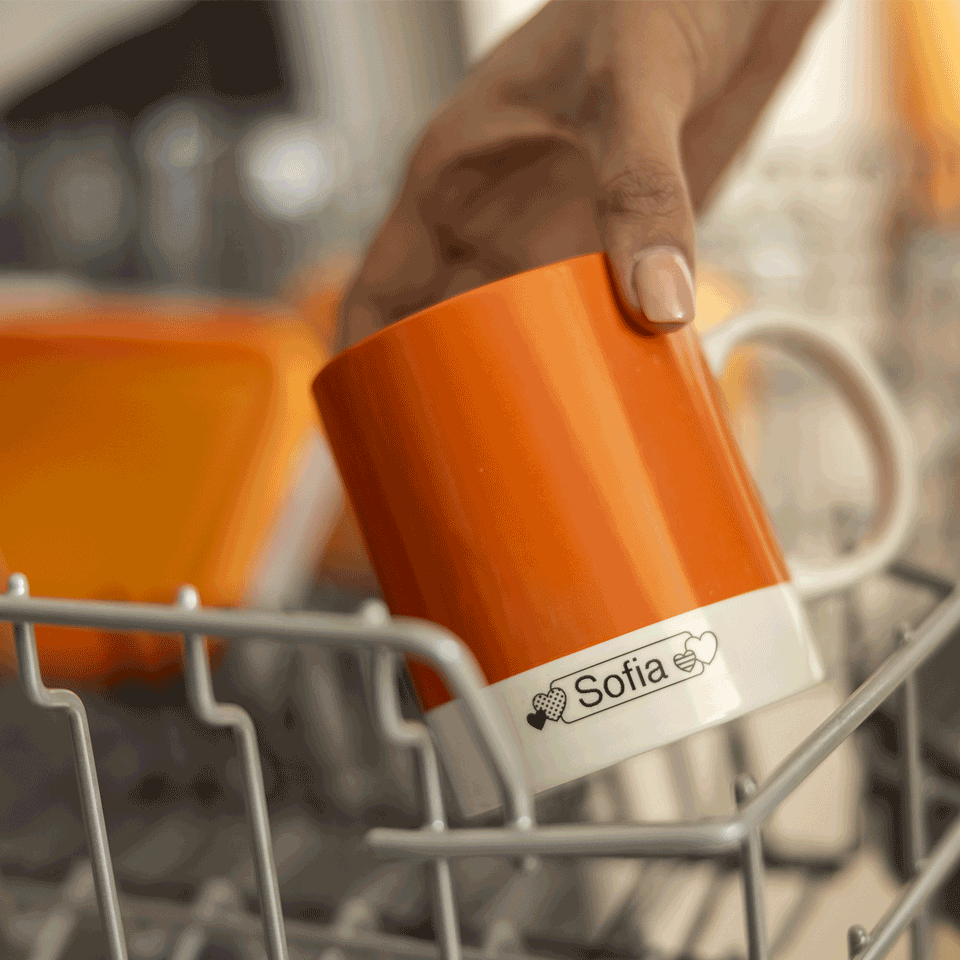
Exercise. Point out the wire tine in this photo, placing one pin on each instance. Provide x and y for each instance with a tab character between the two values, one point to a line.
913	806
200	693
941	587
700	838
754	894
445	910
935	631
91	804
938	867
462	675
441	649
857	940
409	733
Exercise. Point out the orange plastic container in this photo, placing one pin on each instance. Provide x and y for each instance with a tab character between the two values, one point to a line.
150	444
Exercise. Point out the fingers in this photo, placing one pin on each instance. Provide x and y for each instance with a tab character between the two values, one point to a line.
643	210
493	187
509	204
398	275
665	60
647	227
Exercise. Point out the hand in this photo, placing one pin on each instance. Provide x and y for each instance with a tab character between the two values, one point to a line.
596	126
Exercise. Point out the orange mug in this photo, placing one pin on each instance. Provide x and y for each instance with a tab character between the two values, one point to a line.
565	493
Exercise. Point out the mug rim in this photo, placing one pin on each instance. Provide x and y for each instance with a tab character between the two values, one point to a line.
426	312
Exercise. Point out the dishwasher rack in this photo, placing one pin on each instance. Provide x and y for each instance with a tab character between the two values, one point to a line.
520	838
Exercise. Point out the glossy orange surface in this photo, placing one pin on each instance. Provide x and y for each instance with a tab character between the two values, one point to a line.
147	444
317	293
534	474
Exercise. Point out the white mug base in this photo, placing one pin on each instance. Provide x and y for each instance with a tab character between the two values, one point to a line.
597	707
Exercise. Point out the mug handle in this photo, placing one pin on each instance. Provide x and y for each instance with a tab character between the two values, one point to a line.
846	365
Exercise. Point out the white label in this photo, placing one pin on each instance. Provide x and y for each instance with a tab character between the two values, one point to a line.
645	689
626	677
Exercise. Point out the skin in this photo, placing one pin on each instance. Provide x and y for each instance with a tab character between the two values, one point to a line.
596	126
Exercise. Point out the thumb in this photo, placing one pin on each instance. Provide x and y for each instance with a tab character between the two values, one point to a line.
647	226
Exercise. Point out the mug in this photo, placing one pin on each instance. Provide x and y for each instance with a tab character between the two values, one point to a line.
564	492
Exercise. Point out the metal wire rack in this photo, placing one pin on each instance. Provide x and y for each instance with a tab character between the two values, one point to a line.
218	909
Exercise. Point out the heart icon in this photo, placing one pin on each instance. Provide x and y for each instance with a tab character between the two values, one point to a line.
704	647
551	703
537	719
686	661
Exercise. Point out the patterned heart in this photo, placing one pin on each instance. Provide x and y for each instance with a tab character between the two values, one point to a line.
551	703
686	661
704	647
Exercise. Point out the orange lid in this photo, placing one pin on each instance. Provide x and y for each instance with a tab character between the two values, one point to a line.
150	443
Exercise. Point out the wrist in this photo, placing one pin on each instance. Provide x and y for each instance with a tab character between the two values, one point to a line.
714	36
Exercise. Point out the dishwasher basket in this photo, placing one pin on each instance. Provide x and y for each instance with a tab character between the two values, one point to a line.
91	886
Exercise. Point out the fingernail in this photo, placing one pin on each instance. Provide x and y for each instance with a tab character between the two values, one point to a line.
664	286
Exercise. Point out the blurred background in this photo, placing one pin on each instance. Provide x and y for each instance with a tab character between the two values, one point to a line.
194	163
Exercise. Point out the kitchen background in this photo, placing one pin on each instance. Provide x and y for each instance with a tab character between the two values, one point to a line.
246	152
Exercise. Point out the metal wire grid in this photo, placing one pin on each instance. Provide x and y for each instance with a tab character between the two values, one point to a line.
519	839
